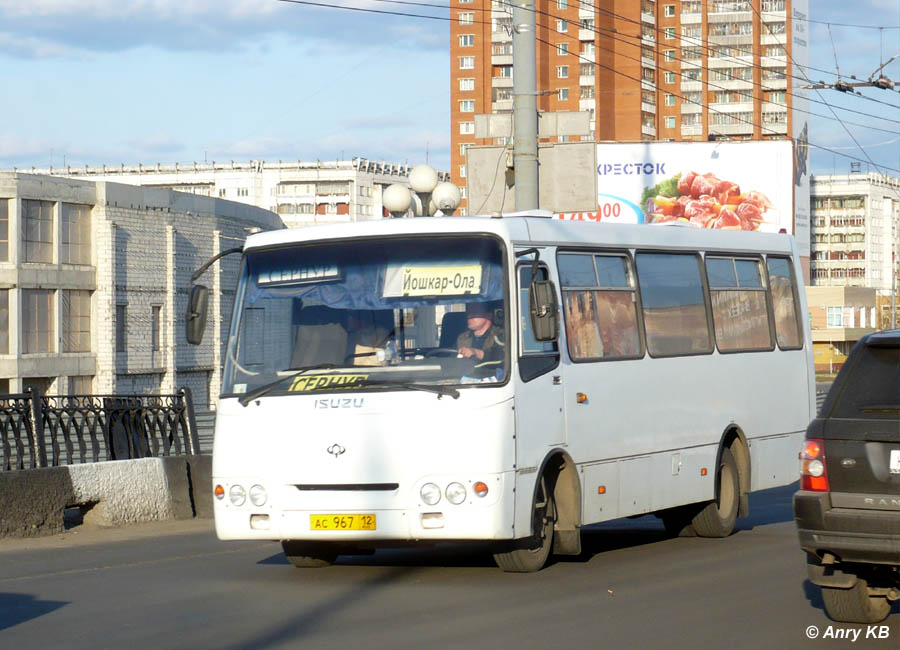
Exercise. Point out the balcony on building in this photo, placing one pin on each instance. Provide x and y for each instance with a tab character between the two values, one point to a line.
691	85
648	108
773	61
586	34
691	107
691	130
740	128
730	61
773	8
691	19
767	38
584	80
648	129
501	82
502	106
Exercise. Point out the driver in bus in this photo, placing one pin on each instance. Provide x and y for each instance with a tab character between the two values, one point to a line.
483	340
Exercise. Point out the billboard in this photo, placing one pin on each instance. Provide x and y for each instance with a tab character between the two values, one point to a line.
735	185
799	111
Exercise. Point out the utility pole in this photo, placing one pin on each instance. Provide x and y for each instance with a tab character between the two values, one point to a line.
525	116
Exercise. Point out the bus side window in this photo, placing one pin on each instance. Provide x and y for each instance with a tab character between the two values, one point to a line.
600	307
535	357
781	283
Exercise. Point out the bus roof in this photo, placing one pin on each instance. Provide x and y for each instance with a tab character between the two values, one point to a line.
536	231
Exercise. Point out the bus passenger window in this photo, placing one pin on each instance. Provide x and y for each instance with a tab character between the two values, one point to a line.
739	305
781	283
599	307
673	303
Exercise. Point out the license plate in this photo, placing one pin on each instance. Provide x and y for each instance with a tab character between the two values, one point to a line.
342	522
895	461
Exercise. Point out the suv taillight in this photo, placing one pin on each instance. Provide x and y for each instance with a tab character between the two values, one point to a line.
813	475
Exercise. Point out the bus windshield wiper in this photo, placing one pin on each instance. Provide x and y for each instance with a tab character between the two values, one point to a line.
265	388
428	388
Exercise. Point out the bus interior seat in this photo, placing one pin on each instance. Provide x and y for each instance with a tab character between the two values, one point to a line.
321	337
453	324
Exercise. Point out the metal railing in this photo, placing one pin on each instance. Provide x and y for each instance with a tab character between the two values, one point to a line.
47	431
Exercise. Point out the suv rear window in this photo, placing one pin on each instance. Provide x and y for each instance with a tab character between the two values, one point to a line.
873	388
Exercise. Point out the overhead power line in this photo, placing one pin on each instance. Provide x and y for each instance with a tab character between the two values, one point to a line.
449	19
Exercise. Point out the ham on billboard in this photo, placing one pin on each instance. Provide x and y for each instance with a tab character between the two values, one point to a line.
730	185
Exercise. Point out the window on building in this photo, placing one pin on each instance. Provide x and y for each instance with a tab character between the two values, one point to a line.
587	92
4	321
38	231
562	94
503	71
669	122
467	106
121	327
155	327
669	77
562	26
669	33
75	223
562	49
669	55
462	171
562	72
835	317
466	62
467	83
76	321
467	128
38	316
462	148
777	97
562	4
586	69
466	18
669	99
243	191
466	40
222	192
81	385
4	230
668	11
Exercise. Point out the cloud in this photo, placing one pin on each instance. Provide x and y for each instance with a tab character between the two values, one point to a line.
205	25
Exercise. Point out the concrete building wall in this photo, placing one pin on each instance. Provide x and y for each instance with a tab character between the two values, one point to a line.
145	245
839	317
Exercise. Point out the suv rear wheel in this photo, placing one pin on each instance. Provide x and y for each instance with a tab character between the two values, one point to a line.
855	605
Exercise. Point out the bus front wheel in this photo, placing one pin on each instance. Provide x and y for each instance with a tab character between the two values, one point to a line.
306	555
718	517
532	554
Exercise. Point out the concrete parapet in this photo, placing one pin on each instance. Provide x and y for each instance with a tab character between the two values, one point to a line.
112	493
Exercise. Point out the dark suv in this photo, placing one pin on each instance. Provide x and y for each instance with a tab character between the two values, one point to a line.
848	507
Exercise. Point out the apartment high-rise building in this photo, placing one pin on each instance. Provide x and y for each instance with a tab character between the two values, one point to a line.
855	231
643	69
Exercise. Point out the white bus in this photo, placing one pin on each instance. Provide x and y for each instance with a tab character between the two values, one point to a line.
630	370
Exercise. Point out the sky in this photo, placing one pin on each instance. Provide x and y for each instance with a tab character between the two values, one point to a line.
92	82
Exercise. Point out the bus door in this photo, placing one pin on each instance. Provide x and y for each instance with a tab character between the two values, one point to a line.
540	420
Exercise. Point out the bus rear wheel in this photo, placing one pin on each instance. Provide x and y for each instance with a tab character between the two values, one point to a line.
305	555
533	554
717	517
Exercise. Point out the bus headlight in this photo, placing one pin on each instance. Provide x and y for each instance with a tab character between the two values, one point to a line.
456	493
258	495
237	495
430	493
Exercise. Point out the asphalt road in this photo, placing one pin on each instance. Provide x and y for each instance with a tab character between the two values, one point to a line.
174	585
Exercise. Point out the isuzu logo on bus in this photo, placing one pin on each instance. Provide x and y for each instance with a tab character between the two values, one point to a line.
335	450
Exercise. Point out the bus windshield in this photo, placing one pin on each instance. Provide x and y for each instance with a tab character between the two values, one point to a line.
369	315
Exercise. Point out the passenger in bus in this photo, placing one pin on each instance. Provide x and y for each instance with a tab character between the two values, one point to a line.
483	340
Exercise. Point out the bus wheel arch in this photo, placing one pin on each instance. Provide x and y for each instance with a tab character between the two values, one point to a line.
734	439
567	499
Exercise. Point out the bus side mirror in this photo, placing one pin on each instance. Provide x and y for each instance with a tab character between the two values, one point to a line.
544	310
195	324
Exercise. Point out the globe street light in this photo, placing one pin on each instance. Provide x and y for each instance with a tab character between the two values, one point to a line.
429	198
